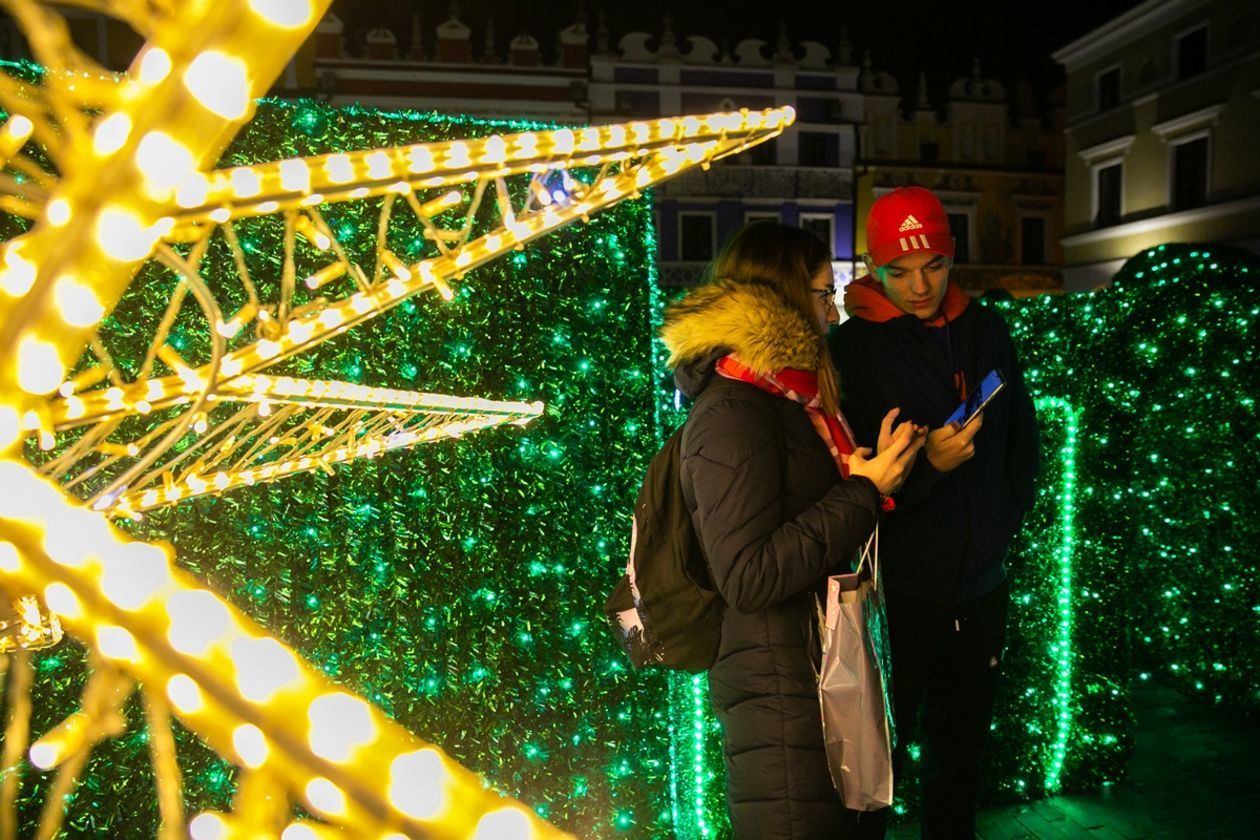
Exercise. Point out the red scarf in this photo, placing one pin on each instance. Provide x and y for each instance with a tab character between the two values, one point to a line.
801	386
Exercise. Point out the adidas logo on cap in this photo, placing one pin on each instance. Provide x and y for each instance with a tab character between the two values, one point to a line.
911	223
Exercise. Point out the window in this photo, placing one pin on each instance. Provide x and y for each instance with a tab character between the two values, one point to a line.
763	154
1108	185
752	217
1032	240
1109	89
1190	174
1192	53
696	235
822	225
818	149
960	227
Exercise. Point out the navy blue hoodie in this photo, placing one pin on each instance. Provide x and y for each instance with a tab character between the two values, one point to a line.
947	539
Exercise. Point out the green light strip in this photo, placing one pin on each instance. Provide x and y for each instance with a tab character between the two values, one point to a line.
699	717
1062	648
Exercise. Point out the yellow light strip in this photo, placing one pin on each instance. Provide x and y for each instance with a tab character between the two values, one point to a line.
344	176
369	446
251	697
191	87
313	327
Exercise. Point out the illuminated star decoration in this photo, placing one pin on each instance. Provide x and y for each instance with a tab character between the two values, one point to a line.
131	156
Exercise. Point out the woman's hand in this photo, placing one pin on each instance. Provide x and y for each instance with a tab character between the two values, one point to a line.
897	451
886	430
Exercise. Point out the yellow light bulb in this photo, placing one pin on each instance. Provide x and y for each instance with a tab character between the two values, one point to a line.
250	745
10	560
295	175
417	784
117	643
155	65
135	574
245	183
58	212
340	724
164	160
504	824
378	165
17	276
286	14
61	600
220	82
326	797
184	694
263	667
207	827
111	133
121	234
44	755
339	168
198	619
19	127
40	371
77	303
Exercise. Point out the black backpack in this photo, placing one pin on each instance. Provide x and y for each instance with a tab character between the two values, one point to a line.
664	610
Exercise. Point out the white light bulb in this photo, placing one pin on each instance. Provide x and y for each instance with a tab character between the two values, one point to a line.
40	371
286	14
220	82
111	133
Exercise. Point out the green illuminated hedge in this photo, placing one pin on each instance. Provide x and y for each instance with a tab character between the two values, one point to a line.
459	585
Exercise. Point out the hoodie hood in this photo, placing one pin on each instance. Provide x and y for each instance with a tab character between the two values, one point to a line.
865	299
750	320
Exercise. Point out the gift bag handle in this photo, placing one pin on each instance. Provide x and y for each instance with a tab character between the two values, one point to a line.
870	552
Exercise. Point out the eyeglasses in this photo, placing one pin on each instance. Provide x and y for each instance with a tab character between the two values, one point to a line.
827	295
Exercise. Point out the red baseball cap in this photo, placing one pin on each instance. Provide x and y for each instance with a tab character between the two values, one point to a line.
907	220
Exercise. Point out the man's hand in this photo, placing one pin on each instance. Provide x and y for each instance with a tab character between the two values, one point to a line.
949	447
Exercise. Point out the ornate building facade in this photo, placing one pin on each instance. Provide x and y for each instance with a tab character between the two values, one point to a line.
996	165
1163	114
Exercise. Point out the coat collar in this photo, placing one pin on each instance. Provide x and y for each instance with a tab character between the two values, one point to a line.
751	320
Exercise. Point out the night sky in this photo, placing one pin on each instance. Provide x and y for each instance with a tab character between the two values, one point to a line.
1014	40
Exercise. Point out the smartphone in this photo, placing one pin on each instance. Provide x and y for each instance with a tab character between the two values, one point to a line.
989	387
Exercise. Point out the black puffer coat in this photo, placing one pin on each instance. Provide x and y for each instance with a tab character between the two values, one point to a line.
774	519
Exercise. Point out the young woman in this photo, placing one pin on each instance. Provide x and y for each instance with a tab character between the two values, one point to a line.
781	497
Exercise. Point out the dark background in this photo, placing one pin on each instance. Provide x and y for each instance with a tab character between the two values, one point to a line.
1014	40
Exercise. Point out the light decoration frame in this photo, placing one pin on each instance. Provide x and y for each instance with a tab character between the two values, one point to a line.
132	153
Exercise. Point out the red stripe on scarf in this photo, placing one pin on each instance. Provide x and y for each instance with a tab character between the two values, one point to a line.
801	386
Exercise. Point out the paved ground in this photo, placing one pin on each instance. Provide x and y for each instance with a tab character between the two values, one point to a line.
1195	774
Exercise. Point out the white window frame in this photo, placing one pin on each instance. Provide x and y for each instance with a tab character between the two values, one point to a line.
831	228
968	210
1119	90
1093	185
712	216
763	215
1176	48
1019	233
1173	143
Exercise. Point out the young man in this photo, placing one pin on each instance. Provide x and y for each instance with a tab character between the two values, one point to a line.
914	341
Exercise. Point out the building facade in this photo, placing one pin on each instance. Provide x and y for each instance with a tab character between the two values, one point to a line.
995	164
1163	115
803	178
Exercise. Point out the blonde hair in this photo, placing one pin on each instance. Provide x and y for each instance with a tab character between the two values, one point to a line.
786	259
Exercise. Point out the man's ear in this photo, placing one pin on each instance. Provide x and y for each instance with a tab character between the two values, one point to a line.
870	266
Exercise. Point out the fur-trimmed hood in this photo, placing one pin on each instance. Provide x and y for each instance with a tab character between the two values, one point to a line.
749	319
